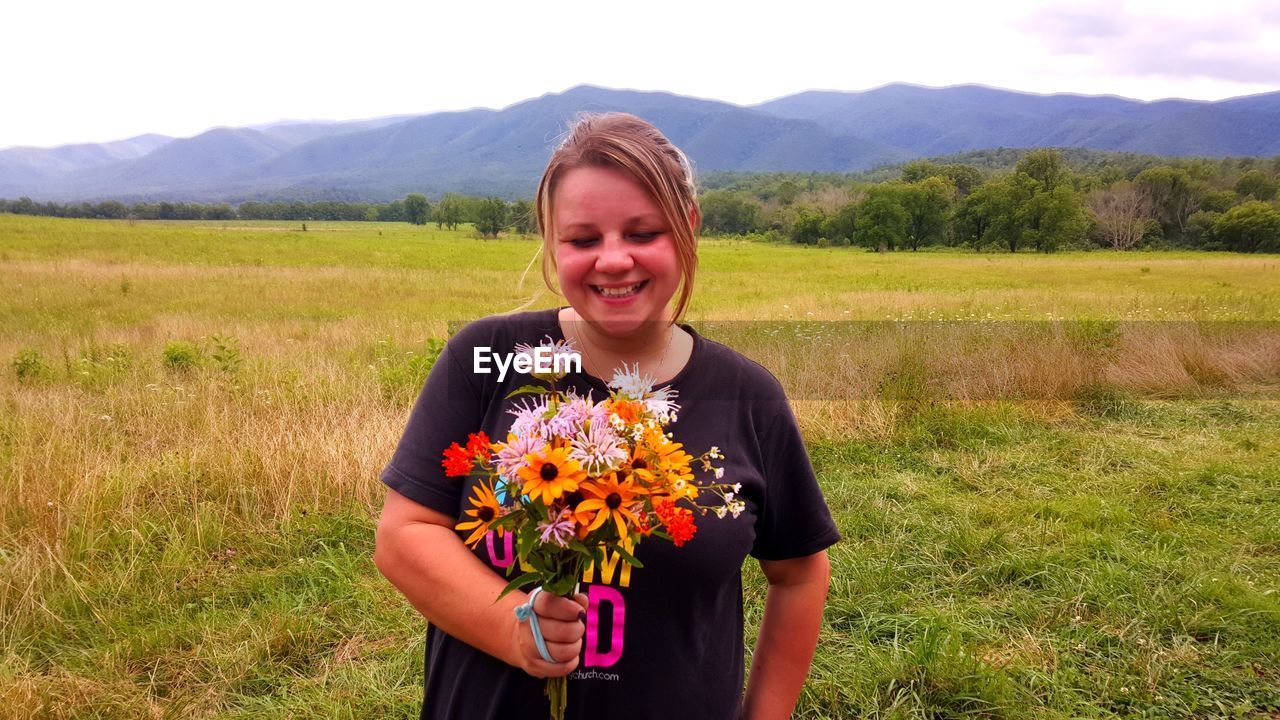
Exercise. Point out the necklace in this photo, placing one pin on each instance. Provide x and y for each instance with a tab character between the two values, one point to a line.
587	355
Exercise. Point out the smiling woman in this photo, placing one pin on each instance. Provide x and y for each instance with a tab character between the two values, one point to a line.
618	213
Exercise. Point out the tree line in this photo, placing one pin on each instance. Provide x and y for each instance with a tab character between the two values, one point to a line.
1040	203
489	215
1010	200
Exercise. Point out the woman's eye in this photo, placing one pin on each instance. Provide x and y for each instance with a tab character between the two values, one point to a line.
645	236
582	242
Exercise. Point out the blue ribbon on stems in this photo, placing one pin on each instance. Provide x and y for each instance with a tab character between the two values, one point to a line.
525	612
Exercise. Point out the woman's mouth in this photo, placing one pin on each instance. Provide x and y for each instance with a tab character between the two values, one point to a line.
620	291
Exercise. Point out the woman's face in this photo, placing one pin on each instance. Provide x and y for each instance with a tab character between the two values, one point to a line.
615	253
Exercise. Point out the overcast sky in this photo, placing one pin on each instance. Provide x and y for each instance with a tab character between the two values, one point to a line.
96	71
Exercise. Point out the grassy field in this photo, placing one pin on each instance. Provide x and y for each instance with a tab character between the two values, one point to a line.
1052	506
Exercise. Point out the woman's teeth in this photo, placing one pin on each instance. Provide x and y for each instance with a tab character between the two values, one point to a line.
619	292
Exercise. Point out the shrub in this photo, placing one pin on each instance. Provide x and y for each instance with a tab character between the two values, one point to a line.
181	355
226	353
29	364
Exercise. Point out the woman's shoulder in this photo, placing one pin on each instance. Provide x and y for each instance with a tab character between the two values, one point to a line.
727	369
503	331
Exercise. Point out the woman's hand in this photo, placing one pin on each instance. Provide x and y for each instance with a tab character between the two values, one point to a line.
562	621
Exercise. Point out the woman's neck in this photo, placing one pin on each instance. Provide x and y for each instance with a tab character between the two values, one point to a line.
659	348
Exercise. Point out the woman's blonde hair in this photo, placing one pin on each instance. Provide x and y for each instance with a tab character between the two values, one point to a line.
623	141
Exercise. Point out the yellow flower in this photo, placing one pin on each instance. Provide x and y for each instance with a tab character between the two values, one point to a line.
672	464
549	473
611	499
638	462
486	510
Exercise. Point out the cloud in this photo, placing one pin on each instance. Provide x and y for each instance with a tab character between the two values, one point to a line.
1234	42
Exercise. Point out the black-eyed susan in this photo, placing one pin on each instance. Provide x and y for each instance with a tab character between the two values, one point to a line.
549	473
609	498
638	462
486	510
672	464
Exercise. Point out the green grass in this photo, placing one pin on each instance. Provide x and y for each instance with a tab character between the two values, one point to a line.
193	538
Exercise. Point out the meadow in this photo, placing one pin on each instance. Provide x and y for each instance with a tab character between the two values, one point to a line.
1057	477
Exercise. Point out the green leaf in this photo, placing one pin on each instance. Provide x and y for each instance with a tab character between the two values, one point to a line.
628	557
515	584
527	390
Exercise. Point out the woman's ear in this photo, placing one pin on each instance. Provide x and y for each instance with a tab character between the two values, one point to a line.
695	217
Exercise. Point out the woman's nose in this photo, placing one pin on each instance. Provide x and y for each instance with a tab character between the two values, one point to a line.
614	257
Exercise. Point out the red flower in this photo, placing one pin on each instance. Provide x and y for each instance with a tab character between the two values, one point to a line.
478	445
679	521
681	527
457	460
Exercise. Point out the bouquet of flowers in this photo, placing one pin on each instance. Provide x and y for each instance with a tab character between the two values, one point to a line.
576	478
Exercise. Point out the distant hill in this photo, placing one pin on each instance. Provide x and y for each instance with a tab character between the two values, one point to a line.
939	121
503	151
28	165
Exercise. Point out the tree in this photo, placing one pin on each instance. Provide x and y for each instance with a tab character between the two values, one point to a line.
731	212
809	225
881	219
1045	167
1200	230
416	208
994	212
841	225
1256	185
112	209
1251	227
1054	219
1120	212
964	177
1173	195
491	216
523	219
928	204
1218	201
448	211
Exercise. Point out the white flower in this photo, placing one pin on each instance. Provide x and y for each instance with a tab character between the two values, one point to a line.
628	381
597	449
720	473
661	404
720	511
737	487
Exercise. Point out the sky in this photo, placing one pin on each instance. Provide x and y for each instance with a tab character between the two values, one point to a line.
97	71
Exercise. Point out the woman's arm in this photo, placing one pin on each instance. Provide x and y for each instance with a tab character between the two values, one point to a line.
788	635
418	550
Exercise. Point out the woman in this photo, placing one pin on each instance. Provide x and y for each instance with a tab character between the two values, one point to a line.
618	214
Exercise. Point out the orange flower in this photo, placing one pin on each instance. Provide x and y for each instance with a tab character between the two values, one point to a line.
678	520
628	411
457	461
611	499
478	445
486	510
549	474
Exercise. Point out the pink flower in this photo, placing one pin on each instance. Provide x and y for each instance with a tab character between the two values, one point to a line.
511	457
559	531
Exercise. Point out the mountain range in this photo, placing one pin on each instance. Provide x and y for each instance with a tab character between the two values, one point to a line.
502	152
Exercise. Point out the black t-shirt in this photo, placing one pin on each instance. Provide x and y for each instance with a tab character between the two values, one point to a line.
665	640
